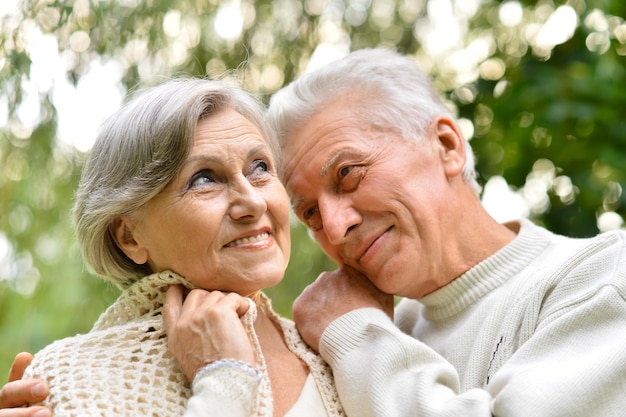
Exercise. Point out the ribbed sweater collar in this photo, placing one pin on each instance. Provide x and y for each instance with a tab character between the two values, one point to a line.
489	274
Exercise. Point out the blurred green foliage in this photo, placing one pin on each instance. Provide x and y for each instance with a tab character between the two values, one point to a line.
546	114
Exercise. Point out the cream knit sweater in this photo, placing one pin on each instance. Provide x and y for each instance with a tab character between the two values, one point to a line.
122	367
536	330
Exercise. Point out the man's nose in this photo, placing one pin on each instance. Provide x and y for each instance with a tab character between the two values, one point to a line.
338	217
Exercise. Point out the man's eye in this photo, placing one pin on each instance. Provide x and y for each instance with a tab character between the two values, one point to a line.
308	213
343	172
350	176
202	177
312	219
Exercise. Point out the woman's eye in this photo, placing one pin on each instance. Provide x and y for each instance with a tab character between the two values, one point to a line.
260	165
202	177
259	170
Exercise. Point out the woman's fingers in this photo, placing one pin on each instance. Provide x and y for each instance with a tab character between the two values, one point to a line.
206	327
173	307
243	305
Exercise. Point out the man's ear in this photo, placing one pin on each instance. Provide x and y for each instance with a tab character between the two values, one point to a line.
122	229
452	145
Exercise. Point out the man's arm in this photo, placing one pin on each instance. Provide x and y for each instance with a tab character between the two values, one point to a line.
332	295
573	364
350	322
18	393
381	372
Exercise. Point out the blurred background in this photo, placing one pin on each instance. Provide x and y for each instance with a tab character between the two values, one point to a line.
539	87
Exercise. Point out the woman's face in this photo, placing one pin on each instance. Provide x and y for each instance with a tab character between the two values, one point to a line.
223	221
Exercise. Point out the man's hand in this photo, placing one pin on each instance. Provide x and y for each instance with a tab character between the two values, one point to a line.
19	393
205	327
332	295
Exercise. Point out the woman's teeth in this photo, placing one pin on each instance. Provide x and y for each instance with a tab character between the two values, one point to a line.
249	239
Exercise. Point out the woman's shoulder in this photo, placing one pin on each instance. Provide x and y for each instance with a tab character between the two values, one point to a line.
91	349
102	370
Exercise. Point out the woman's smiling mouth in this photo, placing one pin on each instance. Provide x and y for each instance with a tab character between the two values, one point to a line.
249	239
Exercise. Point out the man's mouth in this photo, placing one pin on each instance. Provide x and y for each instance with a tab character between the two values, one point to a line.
365	251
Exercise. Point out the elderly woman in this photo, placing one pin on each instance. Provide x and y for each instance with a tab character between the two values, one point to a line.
180	191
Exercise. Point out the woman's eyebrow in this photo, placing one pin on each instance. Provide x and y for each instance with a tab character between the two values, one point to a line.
203	158
210	158
257	149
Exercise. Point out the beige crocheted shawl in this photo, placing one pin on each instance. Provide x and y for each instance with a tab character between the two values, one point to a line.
122	366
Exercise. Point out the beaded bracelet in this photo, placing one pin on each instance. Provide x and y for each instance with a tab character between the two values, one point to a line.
228	363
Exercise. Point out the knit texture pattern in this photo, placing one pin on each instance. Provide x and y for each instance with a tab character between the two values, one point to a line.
122	367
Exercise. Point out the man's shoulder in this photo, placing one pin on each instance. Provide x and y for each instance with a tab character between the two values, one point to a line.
575	270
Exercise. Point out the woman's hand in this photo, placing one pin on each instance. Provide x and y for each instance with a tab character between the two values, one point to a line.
205	327
18	393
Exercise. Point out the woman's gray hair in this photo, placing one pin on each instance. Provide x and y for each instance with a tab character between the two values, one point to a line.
388	90
138	152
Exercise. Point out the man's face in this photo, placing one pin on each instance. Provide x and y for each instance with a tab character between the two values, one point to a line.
372	199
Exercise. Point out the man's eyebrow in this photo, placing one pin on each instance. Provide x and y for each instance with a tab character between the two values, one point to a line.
332	161
296	202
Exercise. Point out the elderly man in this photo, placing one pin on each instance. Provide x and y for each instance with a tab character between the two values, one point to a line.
496	319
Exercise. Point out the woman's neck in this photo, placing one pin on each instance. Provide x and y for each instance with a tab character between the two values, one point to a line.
286	371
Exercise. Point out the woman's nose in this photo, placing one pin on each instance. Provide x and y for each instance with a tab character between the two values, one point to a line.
248	201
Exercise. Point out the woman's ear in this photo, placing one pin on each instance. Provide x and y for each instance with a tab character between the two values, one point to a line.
452	146
122	229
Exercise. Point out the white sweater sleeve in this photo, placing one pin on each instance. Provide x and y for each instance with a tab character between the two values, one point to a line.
224	392
380	371
573	364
